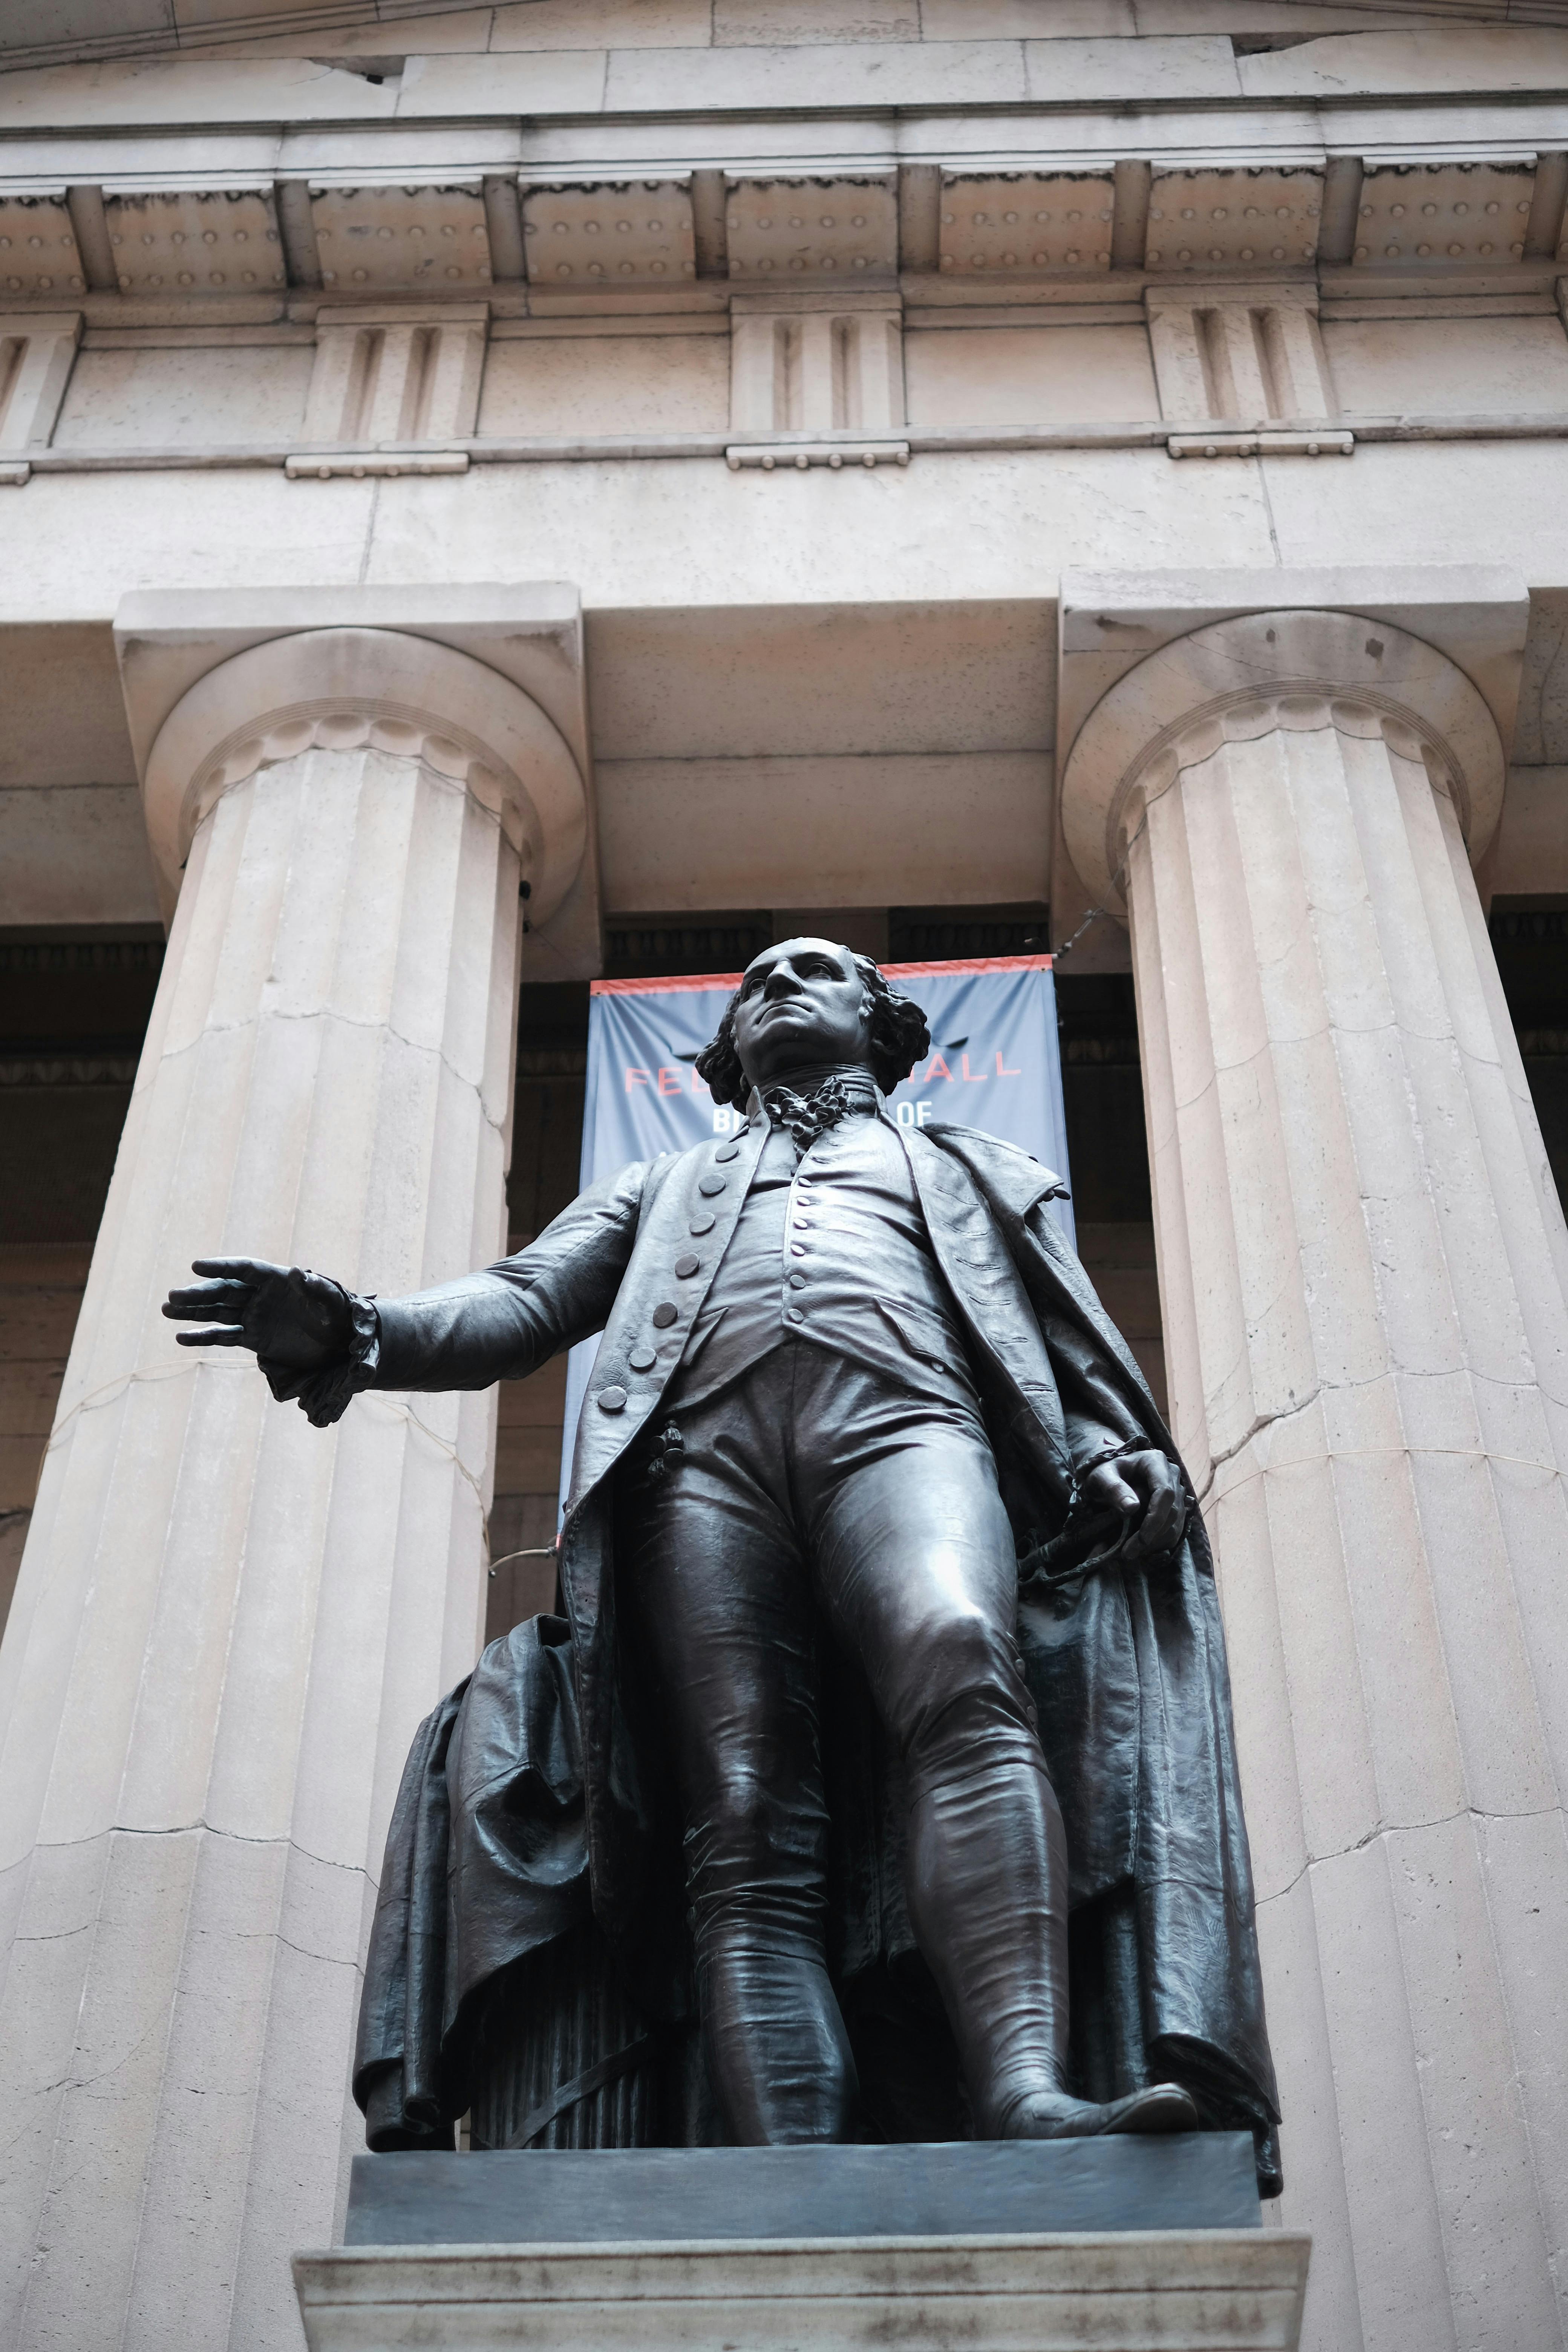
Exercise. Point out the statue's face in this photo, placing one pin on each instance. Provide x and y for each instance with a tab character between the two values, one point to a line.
802	1003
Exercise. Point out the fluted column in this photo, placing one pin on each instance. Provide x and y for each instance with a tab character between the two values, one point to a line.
227	1622
1363	1268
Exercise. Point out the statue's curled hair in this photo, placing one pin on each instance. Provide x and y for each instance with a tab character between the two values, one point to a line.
900	1038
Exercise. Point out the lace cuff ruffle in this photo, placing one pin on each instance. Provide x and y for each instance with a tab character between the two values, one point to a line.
323	1396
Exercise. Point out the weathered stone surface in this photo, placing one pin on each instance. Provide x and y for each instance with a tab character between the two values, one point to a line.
1193	2290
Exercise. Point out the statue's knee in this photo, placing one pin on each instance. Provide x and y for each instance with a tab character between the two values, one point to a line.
963	1692
748	1842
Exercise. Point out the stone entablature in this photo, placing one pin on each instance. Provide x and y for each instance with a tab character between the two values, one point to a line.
1225	246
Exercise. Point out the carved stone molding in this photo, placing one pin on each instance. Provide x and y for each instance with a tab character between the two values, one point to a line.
1251	352
36	358
1259	673
376	690
398	373
834	368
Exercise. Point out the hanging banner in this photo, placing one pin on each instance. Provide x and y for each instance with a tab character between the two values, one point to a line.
994	1064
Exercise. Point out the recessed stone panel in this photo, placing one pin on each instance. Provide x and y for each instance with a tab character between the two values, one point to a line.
401	237
609	232
194	241
838	229
1444	212
1025	221
37	247
1205	219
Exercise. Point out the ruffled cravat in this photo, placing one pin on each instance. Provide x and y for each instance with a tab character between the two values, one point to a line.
808	1116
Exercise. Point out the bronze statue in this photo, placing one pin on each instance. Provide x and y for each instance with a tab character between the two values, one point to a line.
888	1609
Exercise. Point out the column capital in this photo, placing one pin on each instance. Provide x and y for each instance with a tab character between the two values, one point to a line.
484	685
1155	665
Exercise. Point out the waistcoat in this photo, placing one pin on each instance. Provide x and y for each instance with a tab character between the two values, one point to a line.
831	1248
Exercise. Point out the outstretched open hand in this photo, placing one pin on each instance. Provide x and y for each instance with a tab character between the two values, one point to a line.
292	1318
1146	1492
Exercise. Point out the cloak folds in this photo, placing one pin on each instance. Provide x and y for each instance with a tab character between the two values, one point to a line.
533	1810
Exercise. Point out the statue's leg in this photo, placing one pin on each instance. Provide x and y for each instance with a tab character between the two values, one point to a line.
721	1612
914	1558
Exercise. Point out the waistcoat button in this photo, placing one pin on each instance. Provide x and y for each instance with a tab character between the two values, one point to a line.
642	1359
664	1315
687	1263
709	1185
701	1223
728	1151
611	1400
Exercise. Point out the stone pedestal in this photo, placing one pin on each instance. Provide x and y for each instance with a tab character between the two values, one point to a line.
1194	2290
1363	1268
227	1624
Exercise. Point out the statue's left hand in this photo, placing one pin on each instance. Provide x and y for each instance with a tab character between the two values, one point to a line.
1145	1490
294	1320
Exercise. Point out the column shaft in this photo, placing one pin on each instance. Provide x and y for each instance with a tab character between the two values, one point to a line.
227	1622
1363	1269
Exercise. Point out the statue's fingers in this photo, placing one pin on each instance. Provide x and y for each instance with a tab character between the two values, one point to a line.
208	1302
225	1337
248	1270
1162	1519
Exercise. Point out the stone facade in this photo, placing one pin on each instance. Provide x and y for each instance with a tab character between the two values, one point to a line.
508	490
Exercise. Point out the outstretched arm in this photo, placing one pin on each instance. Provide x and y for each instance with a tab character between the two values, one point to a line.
320	1343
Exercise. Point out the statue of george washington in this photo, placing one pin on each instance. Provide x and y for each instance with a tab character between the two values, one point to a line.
889	1732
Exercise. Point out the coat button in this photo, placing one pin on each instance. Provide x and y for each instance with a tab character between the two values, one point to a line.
794	1316
702	1222
709	1185
687	1264
611	1400
642	1359
664	1315
728	1151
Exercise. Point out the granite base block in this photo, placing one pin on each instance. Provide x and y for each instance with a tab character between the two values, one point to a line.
1118	2291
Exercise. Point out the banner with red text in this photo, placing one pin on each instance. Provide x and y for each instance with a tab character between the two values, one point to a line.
994	1064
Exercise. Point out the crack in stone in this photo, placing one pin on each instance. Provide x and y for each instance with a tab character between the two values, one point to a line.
349	1021
189	1829
1406	1829
97	1400
1265	1421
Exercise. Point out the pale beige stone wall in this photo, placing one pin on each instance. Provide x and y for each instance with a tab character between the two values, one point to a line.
606	383
1028	375
161	394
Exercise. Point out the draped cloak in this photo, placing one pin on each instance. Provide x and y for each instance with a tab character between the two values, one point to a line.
535	1796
